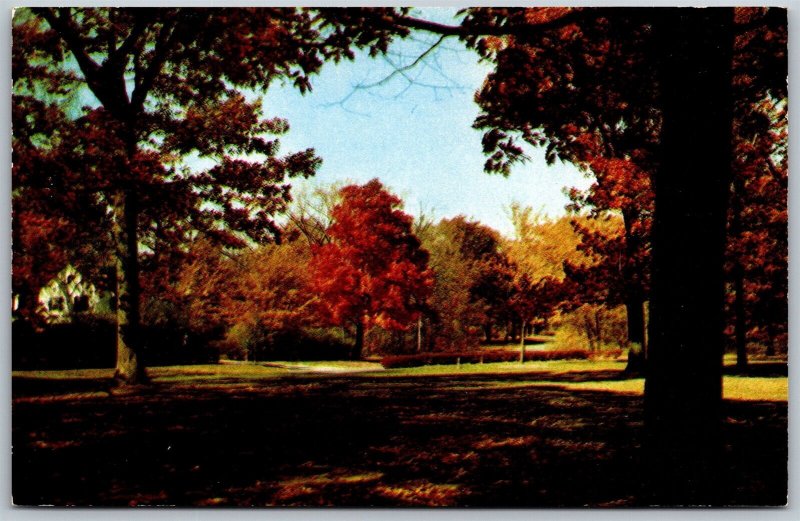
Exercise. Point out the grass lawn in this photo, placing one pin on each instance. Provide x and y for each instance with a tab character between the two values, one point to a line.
534	434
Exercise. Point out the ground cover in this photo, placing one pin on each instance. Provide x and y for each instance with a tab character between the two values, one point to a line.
539	434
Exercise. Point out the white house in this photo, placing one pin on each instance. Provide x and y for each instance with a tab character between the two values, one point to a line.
68	293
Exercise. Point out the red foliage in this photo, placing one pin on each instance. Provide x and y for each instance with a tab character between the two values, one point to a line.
757	250
373	271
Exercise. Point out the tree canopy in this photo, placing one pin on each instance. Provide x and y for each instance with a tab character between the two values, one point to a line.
373	271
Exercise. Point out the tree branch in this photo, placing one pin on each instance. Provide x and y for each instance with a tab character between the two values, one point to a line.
514	30
431	27
118	57
164	40
405	68
64	25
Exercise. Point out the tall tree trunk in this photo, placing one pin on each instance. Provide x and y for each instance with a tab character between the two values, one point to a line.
740	321
598	327
771	351
419	334
683	389
637	353
634	298
358	348
589	330
129	370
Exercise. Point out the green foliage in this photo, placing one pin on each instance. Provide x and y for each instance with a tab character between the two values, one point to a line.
472	283
593	327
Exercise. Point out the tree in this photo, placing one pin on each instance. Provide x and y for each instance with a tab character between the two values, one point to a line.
541	245
618	274
268	292
166	86
574	264
539	250
455	319
55	222
756	255
622	188
373	272
473	282
582	91
533	299
309	215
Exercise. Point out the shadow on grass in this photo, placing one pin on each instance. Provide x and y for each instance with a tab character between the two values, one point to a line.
359	441
759	369
38	386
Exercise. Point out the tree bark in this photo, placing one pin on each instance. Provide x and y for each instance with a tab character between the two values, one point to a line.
129	369
637	353
634	299
683	389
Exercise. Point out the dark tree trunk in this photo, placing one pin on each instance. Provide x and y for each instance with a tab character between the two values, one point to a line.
740	322
634	298
358	347
522	341
771	351
587	327
637	353
419	335
129	370
683	389
598	327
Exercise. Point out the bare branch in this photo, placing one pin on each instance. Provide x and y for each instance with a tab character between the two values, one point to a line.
405	68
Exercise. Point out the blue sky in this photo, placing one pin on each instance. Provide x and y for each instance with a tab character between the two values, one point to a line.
416	137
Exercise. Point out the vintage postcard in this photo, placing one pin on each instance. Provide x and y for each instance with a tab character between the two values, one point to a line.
399	257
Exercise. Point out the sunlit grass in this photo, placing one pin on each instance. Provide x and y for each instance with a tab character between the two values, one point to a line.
185	373
734	387
66	374
554	366
755	388
166	373
353	365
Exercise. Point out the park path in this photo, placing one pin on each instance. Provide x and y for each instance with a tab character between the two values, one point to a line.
362	367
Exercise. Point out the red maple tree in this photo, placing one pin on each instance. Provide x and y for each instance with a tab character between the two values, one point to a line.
373	272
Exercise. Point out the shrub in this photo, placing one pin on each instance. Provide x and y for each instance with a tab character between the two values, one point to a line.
475	357
89	342
86	342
